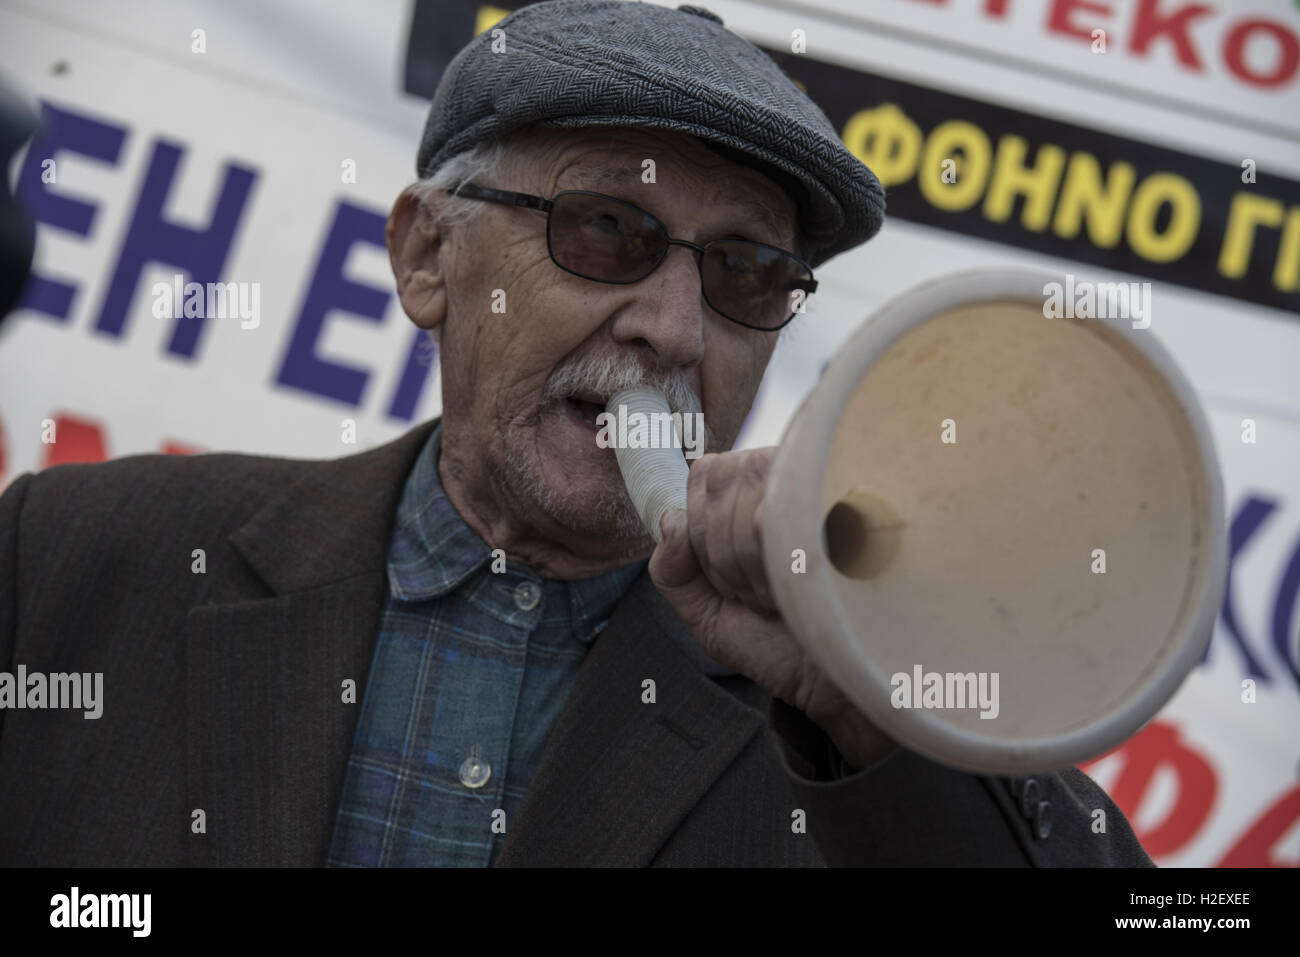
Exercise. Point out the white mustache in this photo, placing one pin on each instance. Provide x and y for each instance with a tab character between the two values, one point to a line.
609	375
606	376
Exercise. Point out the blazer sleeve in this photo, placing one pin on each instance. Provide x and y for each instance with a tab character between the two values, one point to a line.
906	810
11	504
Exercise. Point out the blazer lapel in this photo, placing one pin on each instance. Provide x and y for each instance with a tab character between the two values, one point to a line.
618	774
267	654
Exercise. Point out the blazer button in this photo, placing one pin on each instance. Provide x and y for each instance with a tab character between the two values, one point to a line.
1043	820
1030	797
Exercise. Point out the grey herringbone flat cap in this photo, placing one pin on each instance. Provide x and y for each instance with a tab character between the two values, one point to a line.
583	63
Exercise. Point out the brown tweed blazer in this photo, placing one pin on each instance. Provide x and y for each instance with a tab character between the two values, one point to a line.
222	692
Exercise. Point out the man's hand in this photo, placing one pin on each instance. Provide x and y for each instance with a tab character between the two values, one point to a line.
710	569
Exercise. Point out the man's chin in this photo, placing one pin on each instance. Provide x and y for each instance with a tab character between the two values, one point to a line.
578	486
608	524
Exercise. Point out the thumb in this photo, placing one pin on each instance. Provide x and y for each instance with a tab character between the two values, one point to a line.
676	571
673	564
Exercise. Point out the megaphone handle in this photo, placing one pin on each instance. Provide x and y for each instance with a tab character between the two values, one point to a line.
655	478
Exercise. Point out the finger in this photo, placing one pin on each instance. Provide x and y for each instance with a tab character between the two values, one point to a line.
673	563
734	496
722	499
699	504
675	570
747	531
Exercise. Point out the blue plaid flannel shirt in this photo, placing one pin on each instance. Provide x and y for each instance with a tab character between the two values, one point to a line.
470	671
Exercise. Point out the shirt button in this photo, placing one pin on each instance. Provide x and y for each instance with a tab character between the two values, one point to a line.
474	771
527	595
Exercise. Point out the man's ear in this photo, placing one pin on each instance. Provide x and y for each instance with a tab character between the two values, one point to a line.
415	251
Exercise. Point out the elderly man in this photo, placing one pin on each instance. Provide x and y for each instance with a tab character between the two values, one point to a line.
463	648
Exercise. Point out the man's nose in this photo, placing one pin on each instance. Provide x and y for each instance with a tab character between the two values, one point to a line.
667	311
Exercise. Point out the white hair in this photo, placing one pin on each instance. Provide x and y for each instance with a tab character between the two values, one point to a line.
474	164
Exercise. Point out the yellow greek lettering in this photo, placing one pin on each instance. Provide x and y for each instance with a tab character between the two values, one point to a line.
886	141
1248	210
955	137
1083	195
1286	271
1184	203
1012	178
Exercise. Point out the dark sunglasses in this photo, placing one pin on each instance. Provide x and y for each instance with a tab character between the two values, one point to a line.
608	240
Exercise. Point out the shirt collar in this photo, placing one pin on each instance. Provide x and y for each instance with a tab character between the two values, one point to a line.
434	552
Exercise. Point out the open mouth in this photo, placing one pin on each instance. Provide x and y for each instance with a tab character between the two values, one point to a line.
585	409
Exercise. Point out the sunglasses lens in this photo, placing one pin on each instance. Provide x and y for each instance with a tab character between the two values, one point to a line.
608	240
754	284
604	239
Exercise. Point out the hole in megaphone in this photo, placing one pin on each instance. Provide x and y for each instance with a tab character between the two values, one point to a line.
862	534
